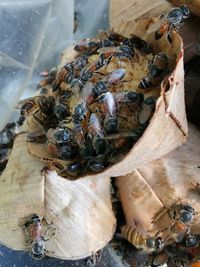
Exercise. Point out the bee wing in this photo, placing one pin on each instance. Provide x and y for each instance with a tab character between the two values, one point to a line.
36	137
102	34
87	90
24	101
109	103
108	50
95	125
116	75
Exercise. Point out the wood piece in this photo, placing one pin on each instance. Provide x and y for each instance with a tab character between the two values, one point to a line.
80	211
161	183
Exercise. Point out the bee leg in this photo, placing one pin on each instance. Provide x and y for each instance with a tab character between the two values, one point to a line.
53	233
37	119
47	251
28	237
169	33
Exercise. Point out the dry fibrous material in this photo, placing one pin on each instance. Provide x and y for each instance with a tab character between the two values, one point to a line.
80	211
163	183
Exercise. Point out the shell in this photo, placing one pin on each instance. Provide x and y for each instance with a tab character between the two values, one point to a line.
147	190
168	126
80	211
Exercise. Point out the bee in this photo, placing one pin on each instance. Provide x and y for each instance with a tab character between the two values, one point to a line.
80	62
102	86
87	47
190	240
111	124
147	110
172	22
33	229
140	44
121	52
60	143
118	39
158	259
42	108
74	169
7	135
62	108
130	98
96	165
66	74
80	112
182	217
158	68
140	241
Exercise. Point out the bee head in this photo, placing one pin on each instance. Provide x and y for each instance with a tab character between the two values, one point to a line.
191	241
35	218
185	11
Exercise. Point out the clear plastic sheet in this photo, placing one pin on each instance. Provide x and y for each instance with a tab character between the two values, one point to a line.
32	35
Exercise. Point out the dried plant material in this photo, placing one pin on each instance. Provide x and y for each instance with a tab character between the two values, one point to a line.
80	211
194	5
156	141
123	11
163	183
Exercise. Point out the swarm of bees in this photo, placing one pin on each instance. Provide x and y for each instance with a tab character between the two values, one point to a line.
98	105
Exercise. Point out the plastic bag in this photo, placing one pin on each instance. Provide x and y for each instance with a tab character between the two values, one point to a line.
33	33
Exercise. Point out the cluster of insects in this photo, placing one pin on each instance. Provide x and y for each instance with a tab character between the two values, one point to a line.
92	115
177	248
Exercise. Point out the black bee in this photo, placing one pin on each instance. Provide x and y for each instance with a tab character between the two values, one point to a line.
158	68
172	21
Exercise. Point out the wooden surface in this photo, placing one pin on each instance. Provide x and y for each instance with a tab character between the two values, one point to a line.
80	211
161	183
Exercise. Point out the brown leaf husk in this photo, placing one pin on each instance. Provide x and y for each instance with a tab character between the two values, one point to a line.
124	11
147	190
80	211
168	126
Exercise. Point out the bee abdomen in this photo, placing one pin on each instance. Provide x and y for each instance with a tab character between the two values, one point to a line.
145	83
133	236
